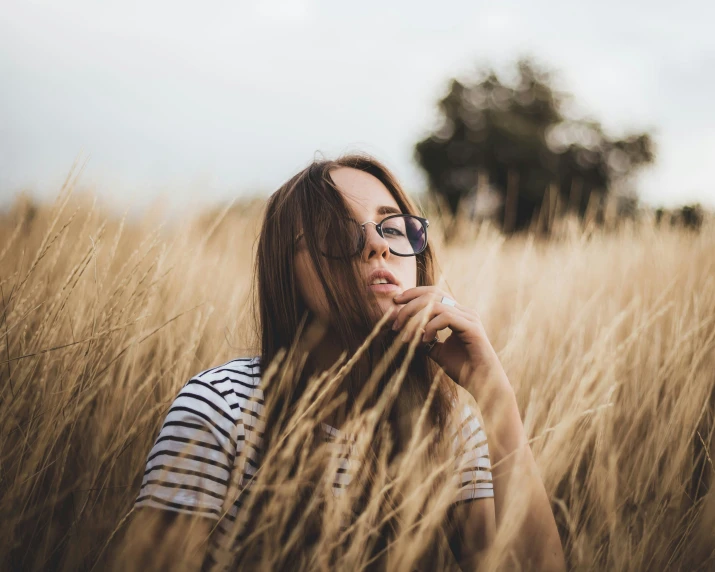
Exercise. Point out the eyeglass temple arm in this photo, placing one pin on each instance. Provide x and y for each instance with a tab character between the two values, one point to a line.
300	234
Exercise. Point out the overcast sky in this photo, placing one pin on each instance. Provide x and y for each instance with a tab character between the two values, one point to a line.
208	100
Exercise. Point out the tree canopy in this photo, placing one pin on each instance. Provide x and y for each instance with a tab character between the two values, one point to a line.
519	137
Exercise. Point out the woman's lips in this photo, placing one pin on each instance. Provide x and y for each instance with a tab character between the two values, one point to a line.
384	288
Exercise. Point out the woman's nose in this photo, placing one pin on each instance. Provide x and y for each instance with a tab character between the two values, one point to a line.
375	245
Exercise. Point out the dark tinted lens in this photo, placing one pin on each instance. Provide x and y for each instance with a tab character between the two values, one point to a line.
416	234
405	234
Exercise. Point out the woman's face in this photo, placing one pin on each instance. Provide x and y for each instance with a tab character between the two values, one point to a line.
368	200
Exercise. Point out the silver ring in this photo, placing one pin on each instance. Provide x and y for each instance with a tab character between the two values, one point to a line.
448	301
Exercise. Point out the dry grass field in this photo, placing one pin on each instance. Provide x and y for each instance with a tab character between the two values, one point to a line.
608	339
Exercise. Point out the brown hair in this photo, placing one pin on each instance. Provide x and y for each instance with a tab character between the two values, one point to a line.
310	203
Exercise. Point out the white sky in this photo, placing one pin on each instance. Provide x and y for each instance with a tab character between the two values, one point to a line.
209	100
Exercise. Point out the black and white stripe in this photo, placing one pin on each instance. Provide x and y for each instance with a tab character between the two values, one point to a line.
215	427
474	468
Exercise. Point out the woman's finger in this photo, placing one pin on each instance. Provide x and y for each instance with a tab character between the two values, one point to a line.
455	321
412	293
412	308
416	293
450	317
417	322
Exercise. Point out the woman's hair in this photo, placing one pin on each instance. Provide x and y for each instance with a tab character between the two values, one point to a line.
309	203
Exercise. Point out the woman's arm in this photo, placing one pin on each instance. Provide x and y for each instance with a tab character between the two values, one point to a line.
514	472
536	544
186	479
473	531
468	357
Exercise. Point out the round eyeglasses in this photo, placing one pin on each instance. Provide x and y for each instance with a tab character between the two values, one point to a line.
406	235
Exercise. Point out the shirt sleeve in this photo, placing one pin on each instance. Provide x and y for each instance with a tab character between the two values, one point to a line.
189	467
473	472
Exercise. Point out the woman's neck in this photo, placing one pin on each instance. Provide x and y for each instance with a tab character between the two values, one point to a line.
322	357
325	350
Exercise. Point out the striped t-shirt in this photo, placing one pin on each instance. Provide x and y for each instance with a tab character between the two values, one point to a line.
218	415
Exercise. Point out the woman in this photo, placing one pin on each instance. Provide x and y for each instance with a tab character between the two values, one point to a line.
344	269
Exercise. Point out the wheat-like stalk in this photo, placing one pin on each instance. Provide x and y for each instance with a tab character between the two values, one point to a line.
608	339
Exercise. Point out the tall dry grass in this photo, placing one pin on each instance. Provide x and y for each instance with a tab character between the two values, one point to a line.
608	339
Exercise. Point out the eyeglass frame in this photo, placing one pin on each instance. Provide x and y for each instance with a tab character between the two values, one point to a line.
378	228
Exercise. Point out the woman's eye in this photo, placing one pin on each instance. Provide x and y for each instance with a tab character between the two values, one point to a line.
393	232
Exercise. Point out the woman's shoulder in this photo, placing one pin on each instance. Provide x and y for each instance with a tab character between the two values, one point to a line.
205	430
229	389
246	369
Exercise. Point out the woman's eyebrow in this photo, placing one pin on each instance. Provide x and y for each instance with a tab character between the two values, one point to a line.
385	209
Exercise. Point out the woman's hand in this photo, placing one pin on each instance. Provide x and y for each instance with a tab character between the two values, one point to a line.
467	348
468	358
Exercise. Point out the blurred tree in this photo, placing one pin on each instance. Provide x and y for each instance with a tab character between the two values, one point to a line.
518	137
687	216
